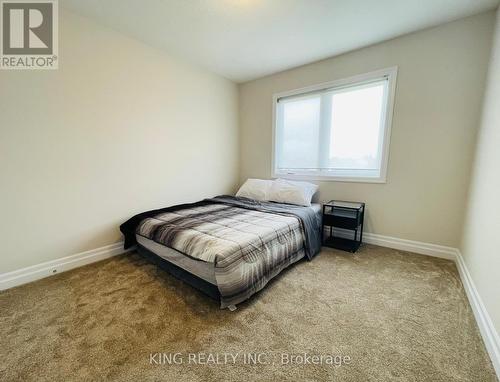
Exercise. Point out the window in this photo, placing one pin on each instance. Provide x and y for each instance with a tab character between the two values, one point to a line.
335	131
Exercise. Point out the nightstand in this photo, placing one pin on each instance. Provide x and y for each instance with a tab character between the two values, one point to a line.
343	225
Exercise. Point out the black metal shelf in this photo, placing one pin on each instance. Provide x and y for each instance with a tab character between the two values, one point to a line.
344	216
343	244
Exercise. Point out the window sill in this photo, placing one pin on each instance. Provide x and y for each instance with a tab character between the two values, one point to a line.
326	178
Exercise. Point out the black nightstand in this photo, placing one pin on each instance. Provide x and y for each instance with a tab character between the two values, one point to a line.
345	217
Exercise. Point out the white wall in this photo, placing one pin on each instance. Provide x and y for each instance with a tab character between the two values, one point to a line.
438	101
481	237
120	128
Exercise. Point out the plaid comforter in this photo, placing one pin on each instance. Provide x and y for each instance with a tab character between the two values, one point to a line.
248	244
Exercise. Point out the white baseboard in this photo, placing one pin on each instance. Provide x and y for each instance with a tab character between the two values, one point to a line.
49	268
488	332
484	322
402	244
411	246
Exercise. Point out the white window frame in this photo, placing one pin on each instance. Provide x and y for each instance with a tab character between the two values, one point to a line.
347	176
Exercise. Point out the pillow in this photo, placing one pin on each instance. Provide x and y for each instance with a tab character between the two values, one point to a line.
257	189
292	192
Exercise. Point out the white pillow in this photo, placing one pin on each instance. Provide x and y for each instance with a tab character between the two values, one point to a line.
257	189
292	192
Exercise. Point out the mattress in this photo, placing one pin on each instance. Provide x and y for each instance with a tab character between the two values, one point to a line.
202	269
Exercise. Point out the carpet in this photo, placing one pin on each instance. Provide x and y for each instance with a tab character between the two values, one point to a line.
377	315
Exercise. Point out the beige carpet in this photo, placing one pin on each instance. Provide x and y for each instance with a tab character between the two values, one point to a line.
398	316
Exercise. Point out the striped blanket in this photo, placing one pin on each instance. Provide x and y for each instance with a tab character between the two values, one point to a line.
248	243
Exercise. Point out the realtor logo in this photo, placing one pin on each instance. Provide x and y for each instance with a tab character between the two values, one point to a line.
29	34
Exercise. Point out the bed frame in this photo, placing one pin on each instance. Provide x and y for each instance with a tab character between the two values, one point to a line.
196	282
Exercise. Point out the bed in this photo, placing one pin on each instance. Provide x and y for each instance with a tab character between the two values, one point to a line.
228	247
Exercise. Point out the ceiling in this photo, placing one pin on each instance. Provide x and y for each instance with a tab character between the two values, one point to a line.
247	39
